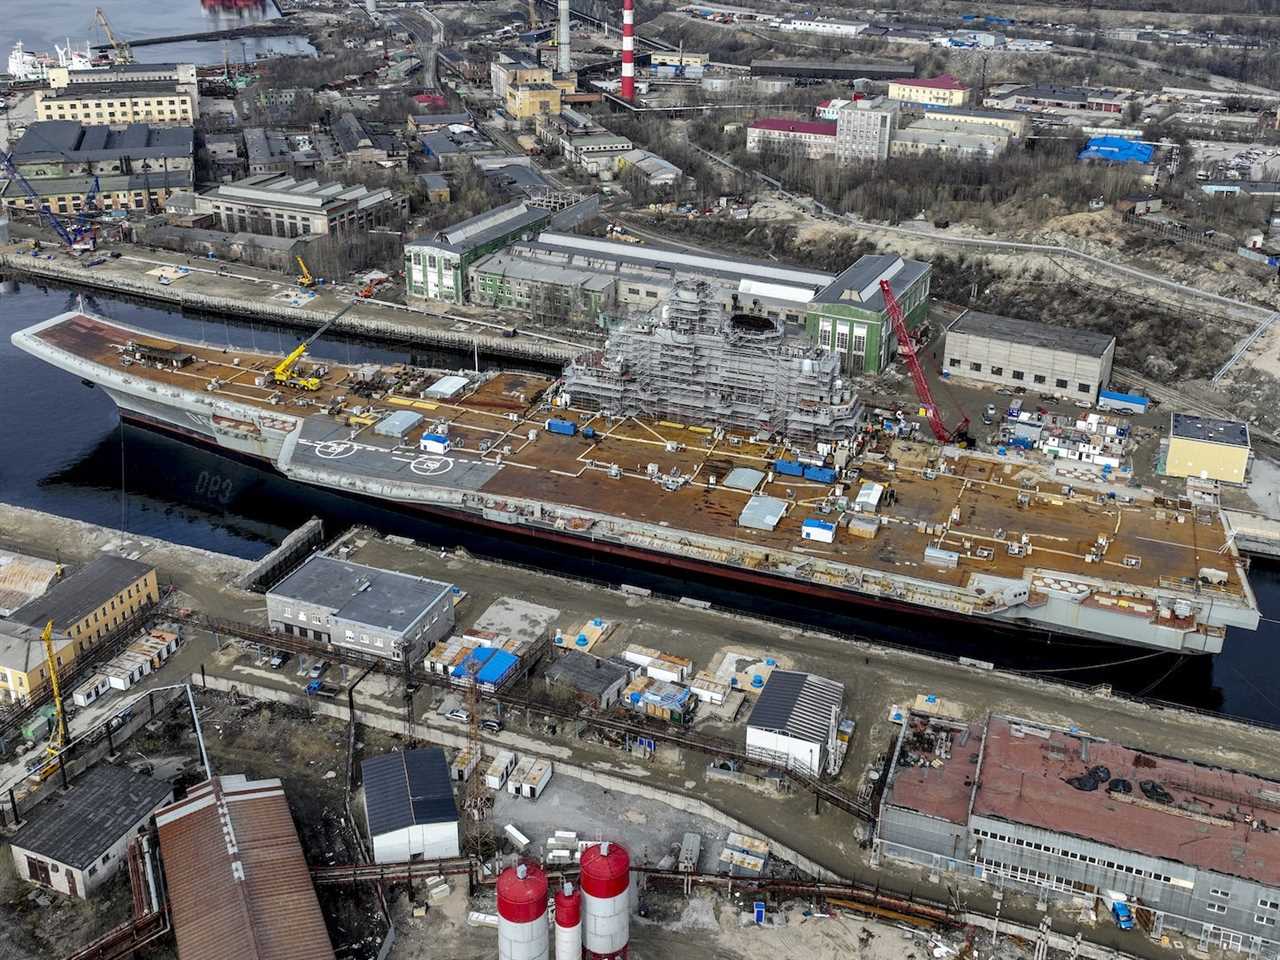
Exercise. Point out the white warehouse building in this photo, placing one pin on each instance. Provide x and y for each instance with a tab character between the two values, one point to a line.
409	806
1006	352
794	721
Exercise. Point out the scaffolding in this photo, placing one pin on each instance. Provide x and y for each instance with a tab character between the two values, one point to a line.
695	362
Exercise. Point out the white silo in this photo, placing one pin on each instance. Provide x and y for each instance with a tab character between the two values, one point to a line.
568	923
606	902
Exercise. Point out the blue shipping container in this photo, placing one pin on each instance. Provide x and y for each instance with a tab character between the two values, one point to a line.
566	427
820	474
788	468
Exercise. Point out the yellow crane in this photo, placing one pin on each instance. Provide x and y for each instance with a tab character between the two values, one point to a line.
305	279
284	370
121	49
58	739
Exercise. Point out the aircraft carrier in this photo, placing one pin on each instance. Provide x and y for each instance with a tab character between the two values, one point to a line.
869	519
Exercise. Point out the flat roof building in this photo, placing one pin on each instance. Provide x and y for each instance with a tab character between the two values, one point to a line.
938	137
75	841
594	680
348	604
794	721
1005	351
942	90
119	103
409	806
1208	448
237	880
1070	815
276	204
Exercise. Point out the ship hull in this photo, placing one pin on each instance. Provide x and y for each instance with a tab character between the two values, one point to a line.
668	564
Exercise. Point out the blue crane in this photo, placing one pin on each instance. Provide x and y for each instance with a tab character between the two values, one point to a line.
6	160
83	224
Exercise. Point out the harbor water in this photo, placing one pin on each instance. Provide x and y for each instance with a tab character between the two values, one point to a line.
65	451
41	25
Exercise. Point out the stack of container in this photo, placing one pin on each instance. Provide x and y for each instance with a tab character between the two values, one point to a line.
658	698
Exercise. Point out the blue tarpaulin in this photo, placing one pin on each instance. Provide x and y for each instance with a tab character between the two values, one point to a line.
1117	150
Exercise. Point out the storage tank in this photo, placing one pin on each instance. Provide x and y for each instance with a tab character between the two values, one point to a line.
522	913
568	923
606	902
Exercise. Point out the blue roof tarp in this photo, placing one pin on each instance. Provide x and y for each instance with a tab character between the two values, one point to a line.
1129	398
497	668
480	656
1117	150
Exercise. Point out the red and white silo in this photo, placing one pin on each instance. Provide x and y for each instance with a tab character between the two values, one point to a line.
568	923
606	902
522	913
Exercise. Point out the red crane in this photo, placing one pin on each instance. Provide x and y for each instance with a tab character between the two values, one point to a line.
907	347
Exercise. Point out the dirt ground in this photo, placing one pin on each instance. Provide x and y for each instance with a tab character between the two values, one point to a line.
36	924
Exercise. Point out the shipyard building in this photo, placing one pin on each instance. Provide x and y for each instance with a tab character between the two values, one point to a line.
1004	351
695	362
1194	848
566	276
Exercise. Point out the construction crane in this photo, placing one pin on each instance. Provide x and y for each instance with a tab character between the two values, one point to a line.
121	49
907	347
58	739
6	161
284	370
306	279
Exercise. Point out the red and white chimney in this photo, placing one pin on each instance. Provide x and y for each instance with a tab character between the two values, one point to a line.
606	902
568	923
628	51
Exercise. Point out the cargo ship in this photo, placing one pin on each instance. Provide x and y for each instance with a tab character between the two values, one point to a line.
870	519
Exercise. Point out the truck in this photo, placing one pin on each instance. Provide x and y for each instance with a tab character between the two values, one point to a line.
1118	904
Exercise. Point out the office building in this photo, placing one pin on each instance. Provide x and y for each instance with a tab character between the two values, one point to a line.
75	842
1069	815
119	103
805	138
864	129
275	204
1208	448
380	612
943	90
1022	353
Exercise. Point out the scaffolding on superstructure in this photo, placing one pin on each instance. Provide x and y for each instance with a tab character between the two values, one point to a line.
694	362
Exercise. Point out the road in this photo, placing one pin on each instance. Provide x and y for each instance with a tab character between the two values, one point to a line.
427	31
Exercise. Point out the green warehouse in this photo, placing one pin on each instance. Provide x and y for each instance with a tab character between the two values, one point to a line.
849	315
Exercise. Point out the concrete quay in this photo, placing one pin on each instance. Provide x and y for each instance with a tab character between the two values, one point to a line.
234	290
826	841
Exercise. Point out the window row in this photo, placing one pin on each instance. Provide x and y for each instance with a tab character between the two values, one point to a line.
1067	854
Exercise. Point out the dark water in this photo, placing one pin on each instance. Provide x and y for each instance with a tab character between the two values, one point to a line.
65	452
40	24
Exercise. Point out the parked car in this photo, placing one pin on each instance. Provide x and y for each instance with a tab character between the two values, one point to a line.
320	668
490	725
1084	404
280	659
457	713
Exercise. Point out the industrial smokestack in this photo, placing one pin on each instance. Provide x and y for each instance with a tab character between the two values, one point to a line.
628	51
565	66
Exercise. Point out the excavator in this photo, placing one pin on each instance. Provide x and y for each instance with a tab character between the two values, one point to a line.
285	371
305	279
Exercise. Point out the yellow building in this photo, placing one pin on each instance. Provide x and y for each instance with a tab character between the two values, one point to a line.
678	58
533	100
513	69
66	195
943	90
118	103
1207	448
86	608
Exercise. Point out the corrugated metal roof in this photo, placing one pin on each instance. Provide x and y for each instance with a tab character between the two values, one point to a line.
797	704
239	887
407	788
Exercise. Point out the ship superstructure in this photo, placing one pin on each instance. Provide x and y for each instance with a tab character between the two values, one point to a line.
910	526
699	364
27	67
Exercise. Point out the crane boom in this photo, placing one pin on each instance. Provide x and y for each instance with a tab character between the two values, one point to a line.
305	279
283	372
59	738
907	347
6	160
121	49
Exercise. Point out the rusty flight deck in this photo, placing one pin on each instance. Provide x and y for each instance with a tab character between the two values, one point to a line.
985	509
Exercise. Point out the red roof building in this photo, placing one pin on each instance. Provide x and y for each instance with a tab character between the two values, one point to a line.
811	138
